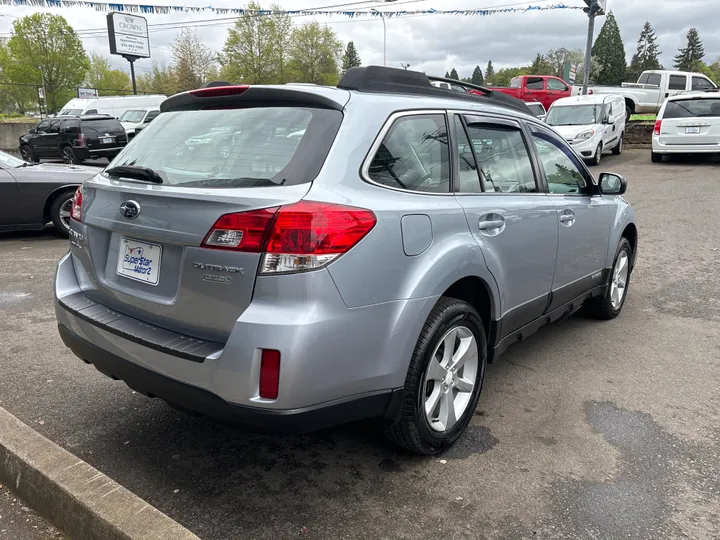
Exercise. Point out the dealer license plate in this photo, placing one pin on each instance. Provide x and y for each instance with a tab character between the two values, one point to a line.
690	130
139	261
106	140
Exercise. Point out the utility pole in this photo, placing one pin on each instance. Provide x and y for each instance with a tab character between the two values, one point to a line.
42	78
595	8
382	16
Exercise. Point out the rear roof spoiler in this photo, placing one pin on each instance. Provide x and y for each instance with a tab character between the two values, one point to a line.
377	79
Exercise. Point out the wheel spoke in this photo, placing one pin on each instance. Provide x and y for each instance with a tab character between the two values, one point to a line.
64	214
447	412
464	352
449	347
431	402
621	282
464	385
435	371
622	263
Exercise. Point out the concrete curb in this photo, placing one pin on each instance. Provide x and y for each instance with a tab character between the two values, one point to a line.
74	496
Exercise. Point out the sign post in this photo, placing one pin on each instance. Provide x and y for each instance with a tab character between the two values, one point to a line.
595	8
128	36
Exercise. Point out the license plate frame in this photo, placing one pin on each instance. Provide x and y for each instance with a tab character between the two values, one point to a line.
134	256
692	130
106	140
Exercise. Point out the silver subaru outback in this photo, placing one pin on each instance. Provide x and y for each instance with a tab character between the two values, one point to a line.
296	257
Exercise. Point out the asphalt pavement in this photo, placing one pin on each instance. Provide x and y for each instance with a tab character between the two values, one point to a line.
19	522
587	430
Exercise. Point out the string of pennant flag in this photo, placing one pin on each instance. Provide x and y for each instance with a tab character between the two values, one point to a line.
163	10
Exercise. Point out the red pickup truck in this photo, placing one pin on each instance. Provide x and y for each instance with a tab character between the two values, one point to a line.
543	88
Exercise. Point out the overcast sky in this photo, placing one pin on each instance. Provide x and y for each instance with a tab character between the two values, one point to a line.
435	43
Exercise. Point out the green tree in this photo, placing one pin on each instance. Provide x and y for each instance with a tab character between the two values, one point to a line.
447	74
454	75
194	62
609	52
14	97
557	58
504	76
477	77
690	57
647	54
351	58
315	54
715	68
490	73
256	50
45	44
161	80
108	81
540	66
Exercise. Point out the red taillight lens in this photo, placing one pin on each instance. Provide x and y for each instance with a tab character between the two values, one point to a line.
241	232
658	127
80	141
269	374
301	236
219	91
76	211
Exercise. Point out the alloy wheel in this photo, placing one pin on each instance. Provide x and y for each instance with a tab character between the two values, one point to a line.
67	155
65	210
619	280
26	153
450	378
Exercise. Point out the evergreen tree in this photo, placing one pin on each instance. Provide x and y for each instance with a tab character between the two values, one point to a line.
351	58
477	77
454	75
490	73
609	52
690	57
540	66
447	75
646	55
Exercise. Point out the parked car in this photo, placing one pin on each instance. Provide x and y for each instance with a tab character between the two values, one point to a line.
538	109
592	125
542	88
687	124
114	106
132	118
74	139
653	87
34	195
366	268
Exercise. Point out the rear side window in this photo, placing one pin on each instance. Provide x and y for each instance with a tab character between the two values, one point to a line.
536	108
414	155
71	126
236	148
702	84
516	82
101	126
151	115
534	83
677	82
692	108
650	78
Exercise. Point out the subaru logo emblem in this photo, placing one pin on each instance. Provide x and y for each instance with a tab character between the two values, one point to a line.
130	209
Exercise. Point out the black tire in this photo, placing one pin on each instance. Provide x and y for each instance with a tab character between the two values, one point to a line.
413	430
597	156
628	113
55	208
27	153
69	156
655	157
602	307
619	146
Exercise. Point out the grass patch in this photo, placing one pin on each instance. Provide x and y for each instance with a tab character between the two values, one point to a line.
9	118
643	117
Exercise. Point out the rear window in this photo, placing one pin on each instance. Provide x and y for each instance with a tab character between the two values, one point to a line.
92	127
692	108
234	148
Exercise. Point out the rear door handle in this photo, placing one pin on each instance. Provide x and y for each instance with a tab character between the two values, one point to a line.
490	225
567	218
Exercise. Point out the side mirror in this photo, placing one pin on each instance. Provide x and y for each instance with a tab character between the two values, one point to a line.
32	131
612	184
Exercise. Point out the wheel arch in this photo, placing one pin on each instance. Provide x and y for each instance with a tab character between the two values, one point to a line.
630	104
478	293
631	234
53	195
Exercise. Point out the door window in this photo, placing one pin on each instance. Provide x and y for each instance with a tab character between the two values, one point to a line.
414	155
468	175
151	115
534	83
702	84
554	84
43	126
677	82
54	126
502	157
563	171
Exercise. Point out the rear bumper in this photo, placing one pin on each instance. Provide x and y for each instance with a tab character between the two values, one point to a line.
660	148
289	422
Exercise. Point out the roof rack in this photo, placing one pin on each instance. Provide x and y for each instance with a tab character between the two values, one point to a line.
400	81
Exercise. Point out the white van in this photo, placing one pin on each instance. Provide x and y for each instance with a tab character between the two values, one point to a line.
113	106
132	118
591	124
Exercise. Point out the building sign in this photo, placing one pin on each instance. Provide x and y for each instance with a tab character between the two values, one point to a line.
128	35
87	93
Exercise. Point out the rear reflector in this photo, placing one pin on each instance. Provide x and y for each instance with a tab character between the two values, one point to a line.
269	374
219	91
658	127
76	211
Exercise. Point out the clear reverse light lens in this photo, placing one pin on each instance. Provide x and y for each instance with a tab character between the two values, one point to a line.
274	263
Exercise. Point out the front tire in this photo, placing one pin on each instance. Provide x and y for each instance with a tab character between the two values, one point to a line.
619	147
597	158
609	306
60	212
444	380
27	153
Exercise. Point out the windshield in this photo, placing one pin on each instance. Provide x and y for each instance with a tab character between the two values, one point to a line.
132	116
265	146
693	108
70	112
10	161
575	115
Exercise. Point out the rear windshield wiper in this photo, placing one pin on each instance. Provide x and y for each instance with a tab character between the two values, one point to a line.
136	173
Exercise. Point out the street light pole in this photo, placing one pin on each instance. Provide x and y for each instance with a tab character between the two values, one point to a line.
382	16
595	8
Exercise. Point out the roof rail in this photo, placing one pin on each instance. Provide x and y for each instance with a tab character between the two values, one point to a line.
400	81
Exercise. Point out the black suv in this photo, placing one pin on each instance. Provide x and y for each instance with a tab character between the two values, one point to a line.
74	138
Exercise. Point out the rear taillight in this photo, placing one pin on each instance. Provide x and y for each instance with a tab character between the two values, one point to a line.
80	141
76	211
269	374
297	237
658	127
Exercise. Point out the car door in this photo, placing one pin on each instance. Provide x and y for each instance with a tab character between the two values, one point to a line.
676	84
535	90
511	218
37	141
609	126
51	139
8	199
557	89
583	217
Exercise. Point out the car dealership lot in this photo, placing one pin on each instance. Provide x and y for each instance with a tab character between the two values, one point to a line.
592	430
